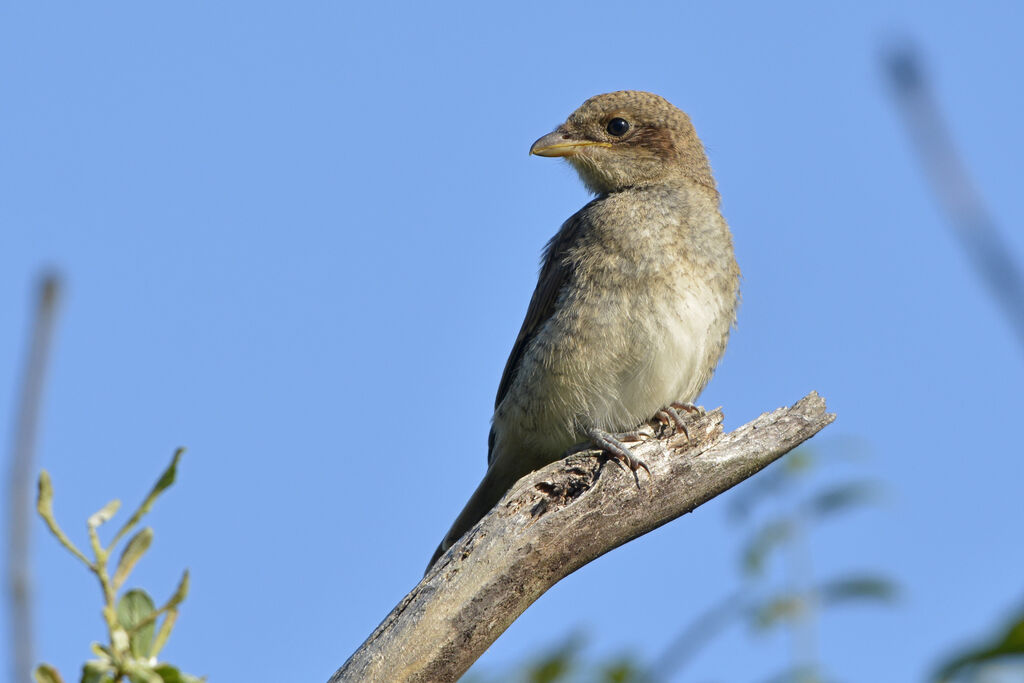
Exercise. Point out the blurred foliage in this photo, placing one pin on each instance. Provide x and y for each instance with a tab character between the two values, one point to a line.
797	604
1001	658
782	540
567	663
759	601
136	631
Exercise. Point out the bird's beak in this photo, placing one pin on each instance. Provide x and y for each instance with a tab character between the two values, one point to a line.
559	144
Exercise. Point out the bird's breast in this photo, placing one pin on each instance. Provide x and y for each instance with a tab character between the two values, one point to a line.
639	323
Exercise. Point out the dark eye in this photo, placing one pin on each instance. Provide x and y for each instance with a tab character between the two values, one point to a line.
617	127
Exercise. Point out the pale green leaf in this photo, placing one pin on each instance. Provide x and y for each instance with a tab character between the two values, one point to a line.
131	554
45	673
164	632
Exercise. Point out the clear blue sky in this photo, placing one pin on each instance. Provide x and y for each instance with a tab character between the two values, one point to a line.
300	239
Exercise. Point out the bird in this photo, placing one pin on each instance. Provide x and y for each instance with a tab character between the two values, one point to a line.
637	294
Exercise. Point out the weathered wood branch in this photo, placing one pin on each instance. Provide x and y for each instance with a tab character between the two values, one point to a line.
554	521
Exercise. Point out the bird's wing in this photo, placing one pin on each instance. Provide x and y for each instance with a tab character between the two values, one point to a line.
554	273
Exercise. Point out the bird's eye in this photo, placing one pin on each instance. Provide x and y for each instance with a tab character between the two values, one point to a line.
617	127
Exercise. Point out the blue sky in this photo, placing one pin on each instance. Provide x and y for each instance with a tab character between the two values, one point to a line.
300	240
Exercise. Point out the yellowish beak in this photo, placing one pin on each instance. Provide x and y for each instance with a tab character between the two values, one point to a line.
557	144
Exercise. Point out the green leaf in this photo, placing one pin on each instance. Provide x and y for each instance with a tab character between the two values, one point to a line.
857	588
622	671
550	669
131	554
558	664
168	673
180	593
141	673
95	671
1007	647
171	674
841	497
103	514
165	480
45	673
781	608
763	543
133	608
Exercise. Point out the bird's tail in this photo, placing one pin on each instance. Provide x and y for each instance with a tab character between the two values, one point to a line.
491	489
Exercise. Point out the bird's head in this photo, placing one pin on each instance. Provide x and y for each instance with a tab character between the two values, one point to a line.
628	138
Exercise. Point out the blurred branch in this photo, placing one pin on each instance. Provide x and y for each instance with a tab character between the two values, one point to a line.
952	184
20	479
554	521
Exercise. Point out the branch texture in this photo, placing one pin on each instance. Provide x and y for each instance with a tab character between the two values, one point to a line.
554	521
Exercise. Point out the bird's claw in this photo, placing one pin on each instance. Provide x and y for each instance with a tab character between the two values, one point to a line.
613	446
670	416
689	407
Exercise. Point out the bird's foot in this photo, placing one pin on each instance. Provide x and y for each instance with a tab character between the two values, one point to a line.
613	446
670	416
690	408
636	435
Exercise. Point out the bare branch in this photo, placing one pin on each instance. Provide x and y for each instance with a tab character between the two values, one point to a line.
553	522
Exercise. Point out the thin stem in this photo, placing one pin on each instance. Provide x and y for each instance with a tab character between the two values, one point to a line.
22	622
109	594
969	217
805	628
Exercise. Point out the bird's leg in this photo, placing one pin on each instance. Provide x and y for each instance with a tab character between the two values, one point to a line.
613	446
